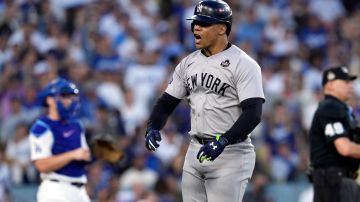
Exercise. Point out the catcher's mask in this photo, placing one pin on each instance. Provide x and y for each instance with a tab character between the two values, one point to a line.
62	89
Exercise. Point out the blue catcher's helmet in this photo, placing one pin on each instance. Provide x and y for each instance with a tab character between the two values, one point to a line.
60	88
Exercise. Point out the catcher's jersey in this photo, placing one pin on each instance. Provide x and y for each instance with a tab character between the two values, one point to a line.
48	138
214	87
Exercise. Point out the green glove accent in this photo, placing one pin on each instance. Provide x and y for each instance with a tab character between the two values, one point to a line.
212	149
203	158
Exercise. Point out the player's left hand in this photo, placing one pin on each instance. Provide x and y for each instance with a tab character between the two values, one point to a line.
152	139
212	149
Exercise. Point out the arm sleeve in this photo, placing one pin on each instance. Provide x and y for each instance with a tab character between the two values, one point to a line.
41	140
334	120
164	106
249	80
248	120
177	87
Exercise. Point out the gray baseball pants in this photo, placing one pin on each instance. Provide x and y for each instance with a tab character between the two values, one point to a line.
224	179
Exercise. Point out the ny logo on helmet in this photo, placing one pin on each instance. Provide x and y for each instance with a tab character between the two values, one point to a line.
199	8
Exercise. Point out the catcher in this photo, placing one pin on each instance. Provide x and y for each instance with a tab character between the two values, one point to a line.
58	147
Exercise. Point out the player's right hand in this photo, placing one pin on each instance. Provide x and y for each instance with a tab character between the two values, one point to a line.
81	154
152	138
213	149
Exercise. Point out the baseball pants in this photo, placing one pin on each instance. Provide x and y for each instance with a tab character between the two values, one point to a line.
330	187
224	179
50	191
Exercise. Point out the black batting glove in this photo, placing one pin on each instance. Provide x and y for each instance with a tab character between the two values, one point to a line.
212	149
152	138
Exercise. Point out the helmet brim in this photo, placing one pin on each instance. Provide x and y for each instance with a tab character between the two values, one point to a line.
205	19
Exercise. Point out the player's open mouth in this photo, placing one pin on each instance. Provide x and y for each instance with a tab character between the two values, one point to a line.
197	38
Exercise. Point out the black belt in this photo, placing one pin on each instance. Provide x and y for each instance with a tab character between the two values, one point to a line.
341	172
204	141
76	184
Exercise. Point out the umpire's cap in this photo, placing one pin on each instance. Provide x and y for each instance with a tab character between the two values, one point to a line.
339	72
212	12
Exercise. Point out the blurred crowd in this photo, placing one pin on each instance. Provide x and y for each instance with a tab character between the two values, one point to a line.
121	54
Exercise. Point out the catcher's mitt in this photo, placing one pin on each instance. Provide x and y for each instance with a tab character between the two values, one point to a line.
106	150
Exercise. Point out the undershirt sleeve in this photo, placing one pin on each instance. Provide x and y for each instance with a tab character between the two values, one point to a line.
248	120
164	106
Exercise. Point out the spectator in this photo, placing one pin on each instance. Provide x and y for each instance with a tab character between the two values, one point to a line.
5	179
18	155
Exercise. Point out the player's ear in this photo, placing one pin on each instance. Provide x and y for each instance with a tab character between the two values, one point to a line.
222	29
50	101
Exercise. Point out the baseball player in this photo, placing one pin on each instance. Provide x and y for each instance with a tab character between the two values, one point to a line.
58	146
223	86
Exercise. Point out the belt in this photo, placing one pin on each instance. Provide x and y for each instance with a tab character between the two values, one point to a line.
341	172
76	184
204	141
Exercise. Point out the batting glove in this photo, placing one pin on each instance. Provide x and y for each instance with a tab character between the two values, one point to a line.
212	149
152	138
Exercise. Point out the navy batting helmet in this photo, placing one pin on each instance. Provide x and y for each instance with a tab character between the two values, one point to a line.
212	12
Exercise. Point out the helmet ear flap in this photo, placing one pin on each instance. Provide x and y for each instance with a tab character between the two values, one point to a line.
228	29
192	26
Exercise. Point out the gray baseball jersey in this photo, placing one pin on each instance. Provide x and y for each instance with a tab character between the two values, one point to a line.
214	87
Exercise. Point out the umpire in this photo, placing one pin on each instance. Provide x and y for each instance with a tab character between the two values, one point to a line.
334	145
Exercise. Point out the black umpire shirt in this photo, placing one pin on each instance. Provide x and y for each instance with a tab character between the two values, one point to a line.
332	119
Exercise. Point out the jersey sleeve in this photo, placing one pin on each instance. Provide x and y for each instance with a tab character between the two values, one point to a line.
177	87
249	80
41	140
334	121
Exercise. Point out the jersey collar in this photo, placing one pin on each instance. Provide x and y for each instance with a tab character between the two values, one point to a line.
334	98
227	47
